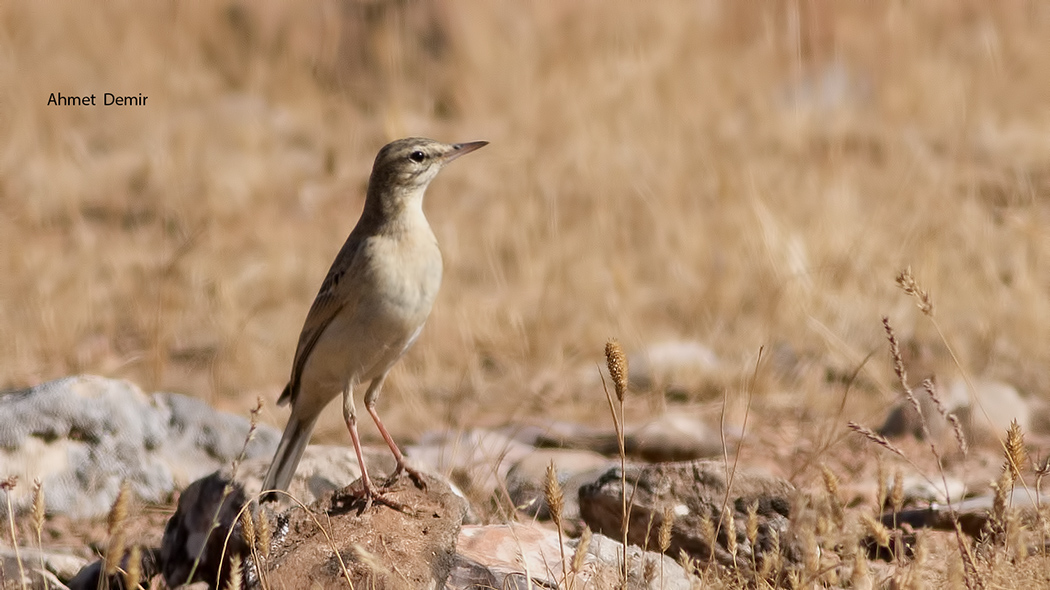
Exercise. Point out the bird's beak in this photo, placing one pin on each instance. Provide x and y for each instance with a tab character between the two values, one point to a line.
459	149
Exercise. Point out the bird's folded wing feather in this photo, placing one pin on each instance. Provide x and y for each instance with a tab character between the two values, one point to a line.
336	293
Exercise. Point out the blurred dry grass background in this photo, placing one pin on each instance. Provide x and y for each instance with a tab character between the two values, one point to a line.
741	174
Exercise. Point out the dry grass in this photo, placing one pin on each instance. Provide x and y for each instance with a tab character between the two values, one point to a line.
742	174
655	173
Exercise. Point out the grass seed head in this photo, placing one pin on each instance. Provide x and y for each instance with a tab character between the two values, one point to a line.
616	360
133	575
117	515
39	507
262	535
581	549
897	493
876	530
1015	452
752	524
236	573
8	484
908	284
664	534
552	492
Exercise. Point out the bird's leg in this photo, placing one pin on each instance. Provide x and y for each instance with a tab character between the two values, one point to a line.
371	494
370	404
350	416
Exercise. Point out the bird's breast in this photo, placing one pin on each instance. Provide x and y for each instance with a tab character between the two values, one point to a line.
408	279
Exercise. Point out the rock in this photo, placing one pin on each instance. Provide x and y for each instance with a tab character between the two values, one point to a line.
476	460
569	435
508	556
646	569
984	412
213	500
989	409
84	435
62	565
380	547
669	437
695	492
525	480
675	437
42	568
322	470
904	420
525	556
973	513
88	577
671	364
920	490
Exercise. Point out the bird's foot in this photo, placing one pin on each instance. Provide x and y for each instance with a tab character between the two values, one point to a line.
364	498
414	474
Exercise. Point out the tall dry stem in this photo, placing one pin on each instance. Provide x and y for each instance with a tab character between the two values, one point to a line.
616	361
7	486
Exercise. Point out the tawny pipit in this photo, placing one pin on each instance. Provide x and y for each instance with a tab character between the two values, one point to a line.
371	306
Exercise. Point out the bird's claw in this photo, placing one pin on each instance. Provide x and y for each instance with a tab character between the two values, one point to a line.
414	474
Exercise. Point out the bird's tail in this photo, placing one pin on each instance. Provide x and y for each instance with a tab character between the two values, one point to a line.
289	452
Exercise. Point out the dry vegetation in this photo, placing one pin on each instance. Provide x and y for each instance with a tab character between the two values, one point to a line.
746	175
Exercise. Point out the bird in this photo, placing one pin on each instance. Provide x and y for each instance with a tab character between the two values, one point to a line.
370	308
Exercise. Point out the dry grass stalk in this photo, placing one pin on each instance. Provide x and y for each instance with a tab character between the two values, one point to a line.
708	534
810	552
552	492
133	573
262	535
118	514
914	579
1001	490
1015	453
907	283
1015	459
248	532
880	482
960	438
956	574
876	530
616	361
664	534
831	486
860	577
898	361
7	486
751	527
38	509
1041	470
253	424
1017	549
772	562
648	571
897	493
875	438
581	550
248	527
236	573
37	514
971	576
688	563
729	526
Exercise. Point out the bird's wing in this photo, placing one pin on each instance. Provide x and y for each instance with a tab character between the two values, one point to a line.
335	294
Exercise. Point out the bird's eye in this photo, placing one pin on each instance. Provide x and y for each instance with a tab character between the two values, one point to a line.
417	156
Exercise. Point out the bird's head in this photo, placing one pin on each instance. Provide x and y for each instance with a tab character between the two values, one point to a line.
408	165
